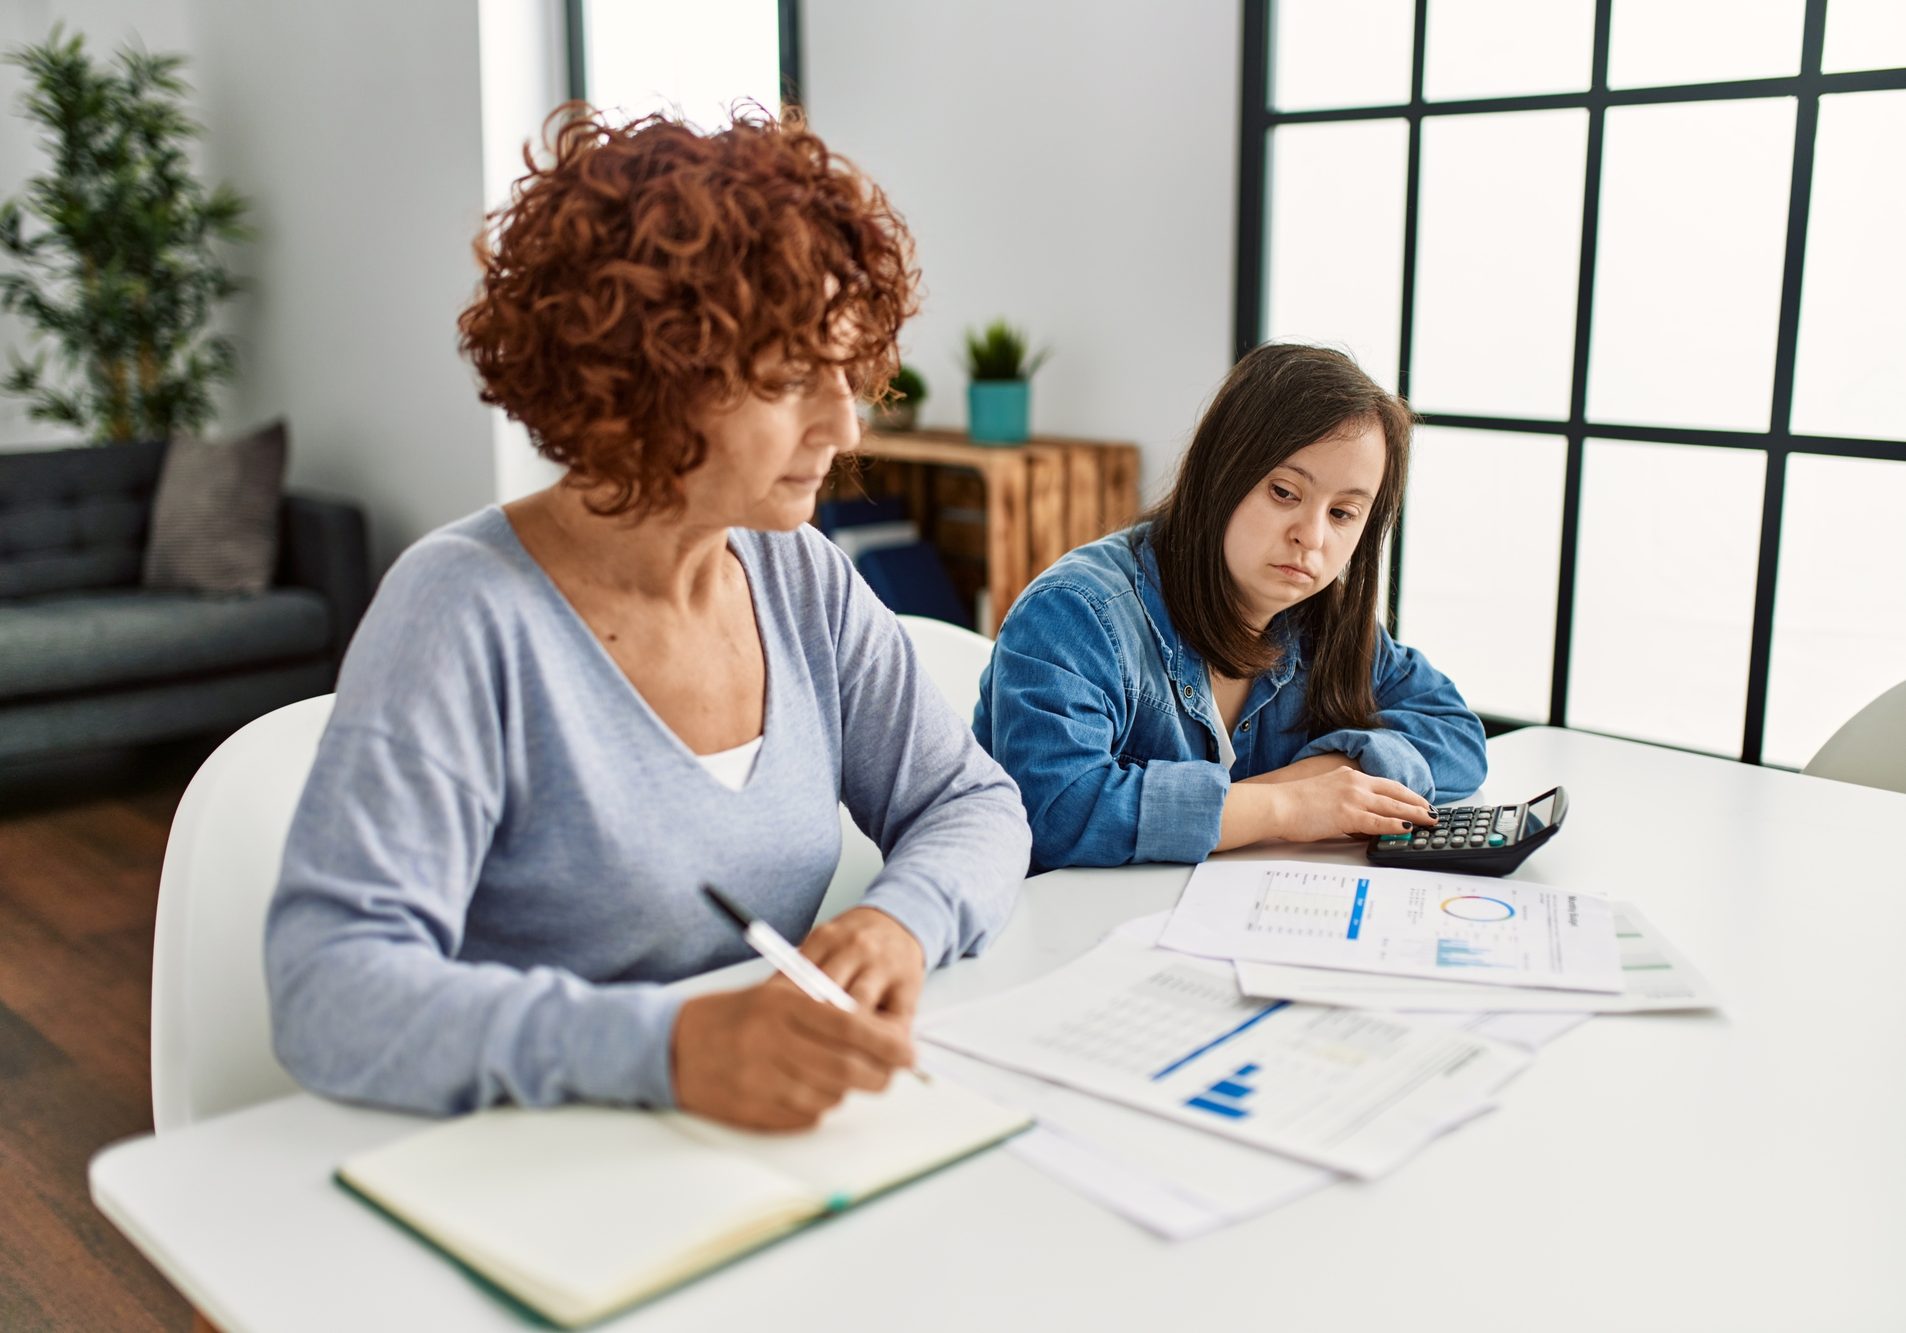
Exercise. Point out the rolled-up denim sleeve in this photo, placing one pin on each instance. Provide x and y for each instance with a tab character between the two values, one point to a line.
1055	707
1426	737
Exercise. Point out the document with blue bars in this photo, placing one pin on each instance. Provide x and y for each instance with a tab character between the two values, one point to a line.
1349	1089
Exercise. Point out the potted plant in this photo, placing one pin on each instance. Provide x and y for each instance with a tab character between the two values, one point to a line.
999	400
114	249
900	410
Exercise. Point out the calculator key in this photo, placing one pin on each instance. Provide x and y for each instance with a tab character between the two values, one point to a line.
1476	841
1419	842
1496	840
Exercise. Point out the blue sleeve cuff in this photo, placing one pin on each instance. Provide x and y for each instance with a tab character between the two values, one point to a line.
918	914
1382	754
618	1047
1180	808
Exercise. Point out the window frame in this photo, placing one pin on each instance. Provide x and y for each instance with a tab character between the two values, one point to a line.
576	34
1257	122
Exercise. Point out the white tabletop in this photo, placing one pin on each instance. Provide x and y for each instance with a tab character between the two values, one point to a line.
1652	1172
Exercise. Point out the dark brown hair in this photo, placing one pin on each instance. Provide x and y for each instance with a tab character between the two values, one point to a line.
1278	399
640	272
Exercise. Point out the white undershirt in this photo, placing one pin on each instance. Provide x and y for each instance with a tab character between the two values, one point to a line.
1227	753
731	768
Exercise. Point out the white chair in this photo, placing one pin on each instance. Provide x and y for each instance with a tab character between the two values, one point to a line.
954	659
1870	748
211	1028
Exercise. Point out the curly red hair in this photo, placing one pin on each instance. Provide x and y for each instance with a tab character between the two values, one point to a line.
646	270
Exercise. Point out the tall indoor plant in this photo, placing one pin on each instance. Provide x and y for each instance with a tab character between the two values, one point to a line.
114	248
999	399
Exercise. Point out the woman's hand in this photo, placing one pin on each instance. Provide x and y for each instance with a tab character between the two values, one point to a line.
1343	802
768	1057
874	958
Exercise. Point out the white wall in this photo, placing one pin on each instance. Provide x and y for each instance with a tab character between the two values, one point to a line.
1069	164
525	68
355	127
369	137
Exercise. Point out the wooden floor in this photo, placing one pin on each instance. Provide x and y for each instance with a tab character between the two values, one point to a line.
79	874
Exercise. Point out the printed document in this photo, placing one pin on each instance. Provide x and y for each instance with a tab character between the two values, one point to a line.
1655	977
1351	1090
1409	923
1173	1180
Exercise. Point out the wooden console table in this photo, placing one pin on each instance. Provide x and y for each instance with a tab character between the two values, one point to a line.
1040	499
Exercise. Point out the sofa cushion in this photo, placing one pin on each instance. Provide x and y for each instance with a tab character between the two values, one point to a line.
75	518
215	514
84	640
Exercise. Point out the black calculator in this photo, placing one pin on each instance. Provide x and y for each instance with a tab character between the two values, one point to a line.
1476	839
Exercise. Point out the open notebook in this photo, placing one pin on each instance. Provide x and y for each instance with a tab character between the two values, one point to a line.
581	1210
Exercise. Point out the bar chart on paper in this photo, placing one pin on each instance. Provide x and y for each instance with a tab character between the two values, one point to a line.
1399	922
1309	902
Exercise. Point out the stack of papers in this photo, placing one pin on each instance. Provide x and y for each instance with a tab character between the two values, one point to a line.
1291	1024
1401	923
1355	1090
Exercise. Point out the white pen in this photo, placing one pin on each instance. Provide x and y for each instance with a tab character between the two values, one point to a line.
789	961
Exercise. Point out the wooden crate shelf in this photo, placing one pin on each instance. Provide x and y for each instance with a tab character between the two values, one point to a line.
1035	501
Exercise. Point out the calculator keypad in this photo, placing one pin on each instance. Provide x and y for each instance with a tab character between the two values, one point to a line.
1459	828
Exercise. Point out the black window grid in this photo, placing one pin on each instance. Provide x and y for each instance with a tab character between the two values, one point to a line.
1778	442
576	33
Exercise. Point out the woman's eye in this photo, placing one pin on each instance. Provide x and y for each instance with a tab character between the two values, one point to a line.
1281	493
1343	515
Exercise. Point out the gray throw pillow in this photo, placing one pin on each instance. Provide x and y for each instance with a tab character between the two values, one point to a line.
215	514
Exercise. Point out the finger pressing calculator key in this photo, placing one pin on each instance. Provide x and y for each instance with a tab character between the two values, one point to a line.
1476	839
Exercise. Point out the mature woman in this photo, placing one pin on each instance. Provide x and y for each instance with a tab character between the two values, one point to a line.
563	716
1216	676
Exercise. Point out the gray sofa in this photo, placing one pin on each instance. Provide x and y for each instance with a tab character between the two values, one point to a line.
89	659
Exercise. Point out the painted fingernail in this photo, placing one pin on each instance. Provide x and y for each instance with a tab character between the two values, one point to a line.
1407	824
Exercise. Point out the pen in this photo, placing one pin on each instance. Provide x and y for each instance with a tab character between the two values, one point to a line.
789	961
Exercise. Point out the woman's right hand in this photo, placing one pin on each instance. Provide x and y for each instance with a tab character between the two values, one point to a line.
1343	803
768	1057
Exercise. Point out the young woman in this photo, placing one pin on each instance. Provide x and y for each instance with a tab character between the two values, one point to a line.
561	717
1215	676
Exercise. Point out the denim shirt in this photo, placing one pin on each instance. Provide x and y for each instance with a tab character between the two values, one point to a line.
1104	717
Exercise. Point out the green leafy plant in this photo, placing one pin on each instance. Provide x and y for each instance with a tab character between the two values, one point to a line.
1000	352
909	386
115	248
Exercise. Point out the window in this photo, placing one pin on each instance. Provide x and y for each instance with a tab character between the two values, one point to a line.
1637	263
639	56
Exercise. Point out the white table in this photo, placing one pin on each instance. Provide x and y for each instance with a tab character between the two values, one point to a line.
1660	1172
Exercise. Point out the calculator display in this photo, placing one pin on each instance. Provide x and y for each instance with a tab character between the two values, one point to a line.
1541	813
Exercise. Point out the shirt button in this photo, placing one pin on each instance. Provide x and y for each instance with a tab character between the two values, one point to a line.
1245	727
1187	691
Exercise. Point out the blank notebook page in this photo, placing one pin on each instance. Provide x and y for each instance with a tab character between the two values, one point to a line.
873	1141
583	1200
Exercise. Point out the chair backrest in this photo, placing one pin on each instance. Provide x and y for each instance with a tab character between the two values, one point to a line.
954	659
211	1027
1870	748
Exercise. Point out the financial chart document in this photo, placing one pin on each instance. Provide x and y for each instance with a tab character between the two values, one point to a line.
1655	976
1408	923
1356	1091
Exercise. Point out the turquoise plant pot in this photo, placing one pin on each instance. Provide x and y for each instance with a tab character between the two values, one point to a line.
997	411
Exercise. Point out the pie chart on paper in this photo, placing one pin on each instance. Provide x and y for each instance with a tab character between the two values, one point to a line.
1477	907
